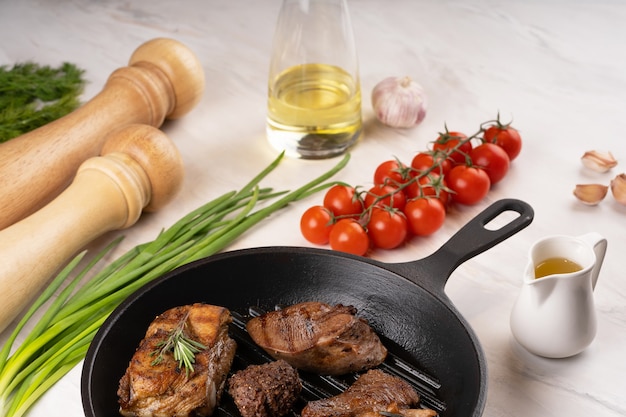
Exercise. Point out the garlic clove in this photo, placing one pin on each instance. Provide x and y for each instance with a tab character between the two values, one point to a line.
590	194
399	102
598	161
618	188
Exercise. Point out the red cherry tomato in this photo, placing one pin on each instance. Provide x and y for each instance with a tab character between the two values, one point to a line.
349	236
424	216
423	161
343	200
316	224
506	137
470	184
387	229
391	172
454	144
385	196
491	158
412	189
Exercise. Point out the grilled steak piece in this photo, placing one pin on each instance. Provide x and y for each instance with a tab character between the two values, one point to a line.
405	412
373	392
148	389
320	338
268	390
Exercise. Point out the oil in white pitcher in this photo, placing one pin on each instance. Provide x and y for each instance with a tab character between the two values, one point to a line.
556	265
555	316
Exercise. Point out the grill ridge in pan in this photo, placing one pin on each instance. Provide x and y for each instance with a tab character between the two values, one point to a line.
405	304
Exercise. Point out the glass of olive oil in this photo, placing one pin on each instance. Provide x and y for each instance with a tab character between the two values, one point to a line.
314	93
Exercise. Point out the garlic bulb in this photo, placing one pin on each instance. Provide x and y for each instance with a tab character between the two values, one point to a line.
399	102
618	188
598	161
590	194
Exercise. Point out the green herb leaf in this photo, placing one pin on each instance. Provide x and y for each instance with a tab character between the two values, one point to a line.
32	96
183	347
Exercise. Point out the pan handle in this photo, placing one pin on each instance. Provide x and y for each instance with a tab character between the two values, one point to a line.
472	239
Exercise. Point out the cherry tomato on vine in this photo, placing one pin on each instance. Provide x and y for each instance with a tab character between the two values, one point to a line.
505	137
342	200
448	141
430	185
492	159
316	224
349	236
470	184
424	215
412	189
385	196
391	172
425	160
434	185
387	229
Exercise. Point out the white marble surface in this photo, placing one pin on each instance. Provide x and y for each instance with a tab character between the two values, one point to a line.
556	67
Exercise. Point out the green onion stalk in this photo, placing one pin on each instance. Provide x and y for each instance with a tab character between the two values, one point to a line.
61	337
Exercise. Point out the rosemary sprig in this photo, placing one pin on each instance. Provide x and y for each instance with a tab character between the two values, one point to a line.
183	347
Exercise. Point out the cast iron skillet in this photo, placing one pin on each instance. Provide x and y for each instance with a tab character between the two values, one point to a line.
430	343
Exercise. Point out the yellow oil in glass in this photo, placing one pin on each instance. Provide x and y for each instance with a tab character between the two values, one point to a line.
553	266
314	111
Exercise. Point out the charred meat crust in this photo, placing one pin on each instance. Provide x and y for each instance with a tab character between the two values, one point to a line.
163	389
319	338
374	391
267	390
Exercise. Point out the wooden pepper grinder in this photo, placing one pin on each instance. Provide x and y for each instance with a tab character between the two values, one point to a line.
164	79
140	169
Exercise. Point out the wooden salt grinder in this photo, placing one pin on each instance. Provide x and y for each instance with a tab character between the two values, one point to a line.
140	169
164	79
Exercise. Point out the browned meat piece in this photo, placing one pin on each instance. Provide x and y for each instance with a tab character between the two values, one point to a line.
268	390
163	389
417	412
405	412
374	391
319	338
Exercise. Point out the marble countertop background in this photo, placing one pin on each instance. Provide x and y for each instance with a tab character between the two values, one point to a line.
556	68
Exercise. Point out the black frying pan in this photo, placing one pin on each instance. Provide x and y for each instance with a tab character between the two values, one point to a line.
430	343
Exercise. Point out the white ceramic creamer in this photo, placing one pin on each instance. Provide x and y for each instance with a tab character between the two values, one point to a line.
554	316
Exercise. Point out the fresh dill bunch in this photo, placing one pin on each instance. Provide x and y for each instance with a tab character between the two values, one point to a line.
32	95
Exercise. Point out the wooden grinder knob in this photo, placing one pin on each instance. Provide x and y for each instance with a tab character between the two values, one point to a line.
140	169
164	79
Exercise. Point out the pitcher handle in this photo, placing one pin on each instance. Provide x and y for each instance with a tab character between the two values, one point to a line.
599	244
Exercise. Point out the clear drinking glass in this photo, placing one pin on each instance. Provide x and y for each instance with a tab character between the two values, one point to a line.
314	101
